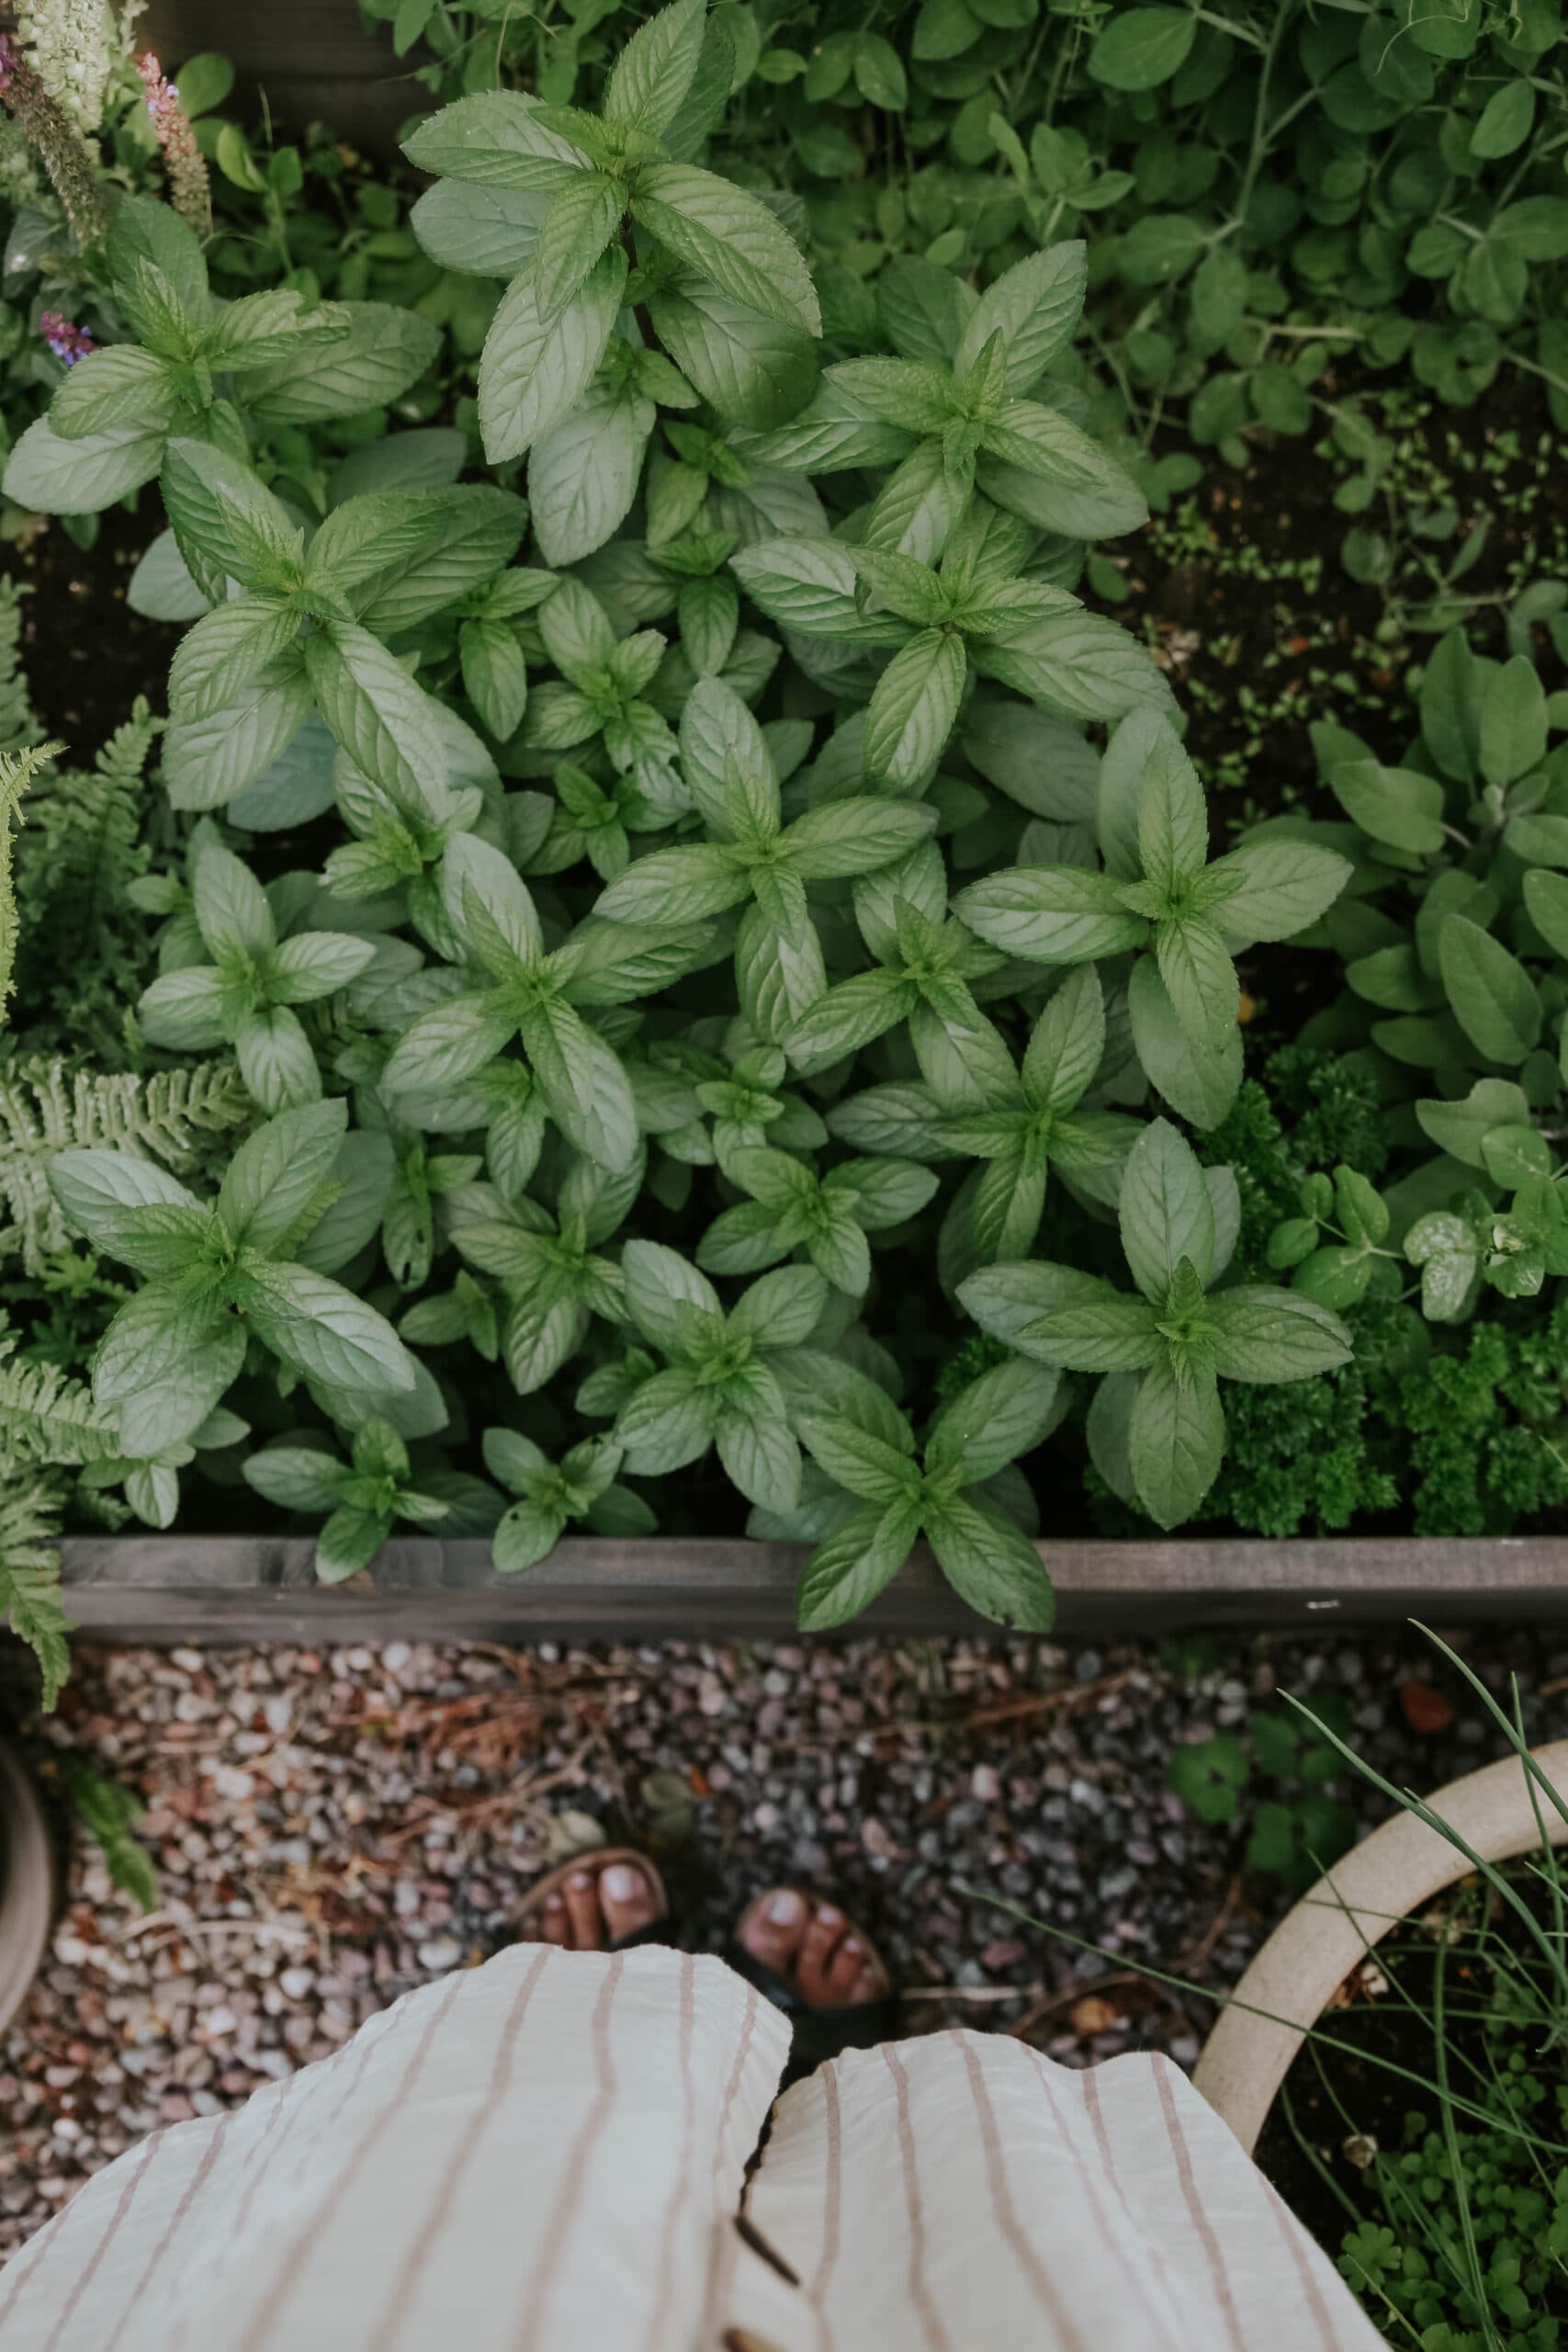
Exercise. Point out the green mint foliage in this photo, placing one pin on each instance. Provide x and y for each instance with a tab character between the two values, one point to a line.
614	213
364	1498
219	1277
746	855
734	1379
941	1494
581	1489
952	411
1157	1428
193	370
1161	899
1386	176
1045	1119
790	1209
469	1036
245	997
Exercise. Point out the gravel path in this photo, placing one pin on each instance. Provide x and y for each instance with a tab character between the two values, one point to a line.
332	1828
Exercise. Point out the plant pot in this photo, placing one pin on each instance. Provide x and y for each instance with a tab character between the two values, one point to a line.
1388	1876
27	1884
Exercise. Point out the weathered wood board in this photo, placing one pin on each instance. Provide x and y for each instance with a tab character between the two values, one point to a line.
186	1589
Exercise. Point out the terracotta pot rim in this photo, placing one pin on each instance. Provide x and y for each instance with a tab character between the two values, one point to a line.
1402	1865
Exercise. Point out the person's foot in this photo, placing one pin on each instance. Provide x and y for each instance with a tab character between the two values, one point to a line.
828	1960
593	1908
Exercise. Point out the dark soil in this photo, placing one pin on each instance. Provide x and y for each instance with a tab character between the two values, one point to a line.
1242	593
87	655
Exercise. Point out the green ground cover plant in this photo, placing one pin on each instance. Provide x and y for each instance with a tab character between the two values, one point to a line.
1263	186
659	962
1278	1768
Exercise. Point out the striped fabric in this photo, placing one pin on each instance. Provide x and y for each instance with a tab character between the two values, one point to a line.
546	2155
962	2191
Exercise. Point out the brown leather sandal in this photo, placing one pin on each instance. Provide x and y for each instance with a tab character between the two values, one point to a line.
530	1918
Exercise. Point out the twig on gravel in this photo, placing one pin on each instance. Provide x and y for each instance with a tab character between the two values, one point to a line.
1213	1934
1076	1699
971	1992
1087	1988
493	1806
265	1928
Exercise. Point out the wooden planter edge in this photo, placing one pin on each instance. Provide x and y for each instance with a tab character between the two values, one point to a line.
174	1588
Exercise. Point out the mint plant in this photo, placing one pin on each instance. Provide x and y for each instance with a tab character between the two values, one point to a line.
550	1278
1157	1428
752	861
1044	1121
829	1217
245	997
551	1497
218	1278
1161	898
720	1384
983	1552
374	645
364	1498
195	371
626	211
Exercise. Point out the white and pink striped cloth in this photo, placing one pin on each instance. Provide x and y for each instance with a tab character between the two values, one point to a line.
546	2154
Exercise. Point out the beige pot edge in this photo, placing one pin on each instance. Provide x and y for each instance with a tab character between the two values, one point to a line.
27	1884
1391	1874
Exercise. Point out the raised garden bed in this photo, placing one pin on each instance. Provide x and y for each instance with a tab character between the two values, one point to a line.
430	1261
313	60
189	1588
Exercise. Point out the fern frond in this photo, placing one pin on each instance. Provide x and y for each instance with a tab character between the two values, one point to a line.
17	770
46	1417
83	845
30	1591
109	1812
18	721
45	1108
